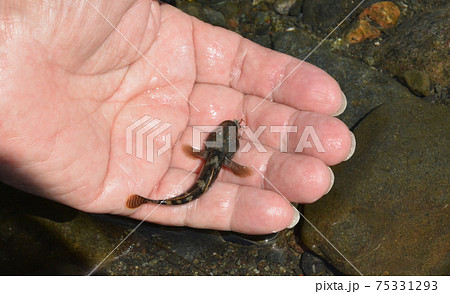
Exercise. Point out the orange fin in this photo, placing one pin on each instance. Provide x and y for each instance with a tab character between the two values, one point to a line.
237	169
193	153
134	201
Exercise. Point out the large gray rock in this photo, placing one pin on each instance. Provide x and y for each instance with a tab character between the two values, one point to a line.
388	211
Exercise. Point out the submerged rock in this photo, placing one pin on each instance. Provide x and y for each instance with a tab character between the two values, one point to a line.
417	81
383	15
388	211
324	15
360	31
283	6
420	44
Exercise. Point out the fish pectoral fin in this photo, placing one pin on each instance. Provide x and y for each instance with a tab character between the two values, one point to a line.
193	152
237	169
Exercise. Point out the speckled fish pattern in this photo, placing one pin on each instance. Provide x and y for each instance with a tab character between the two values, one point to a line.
215	158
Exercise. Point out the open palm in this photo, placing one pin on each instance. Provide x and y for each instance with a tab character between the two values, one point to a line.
73	77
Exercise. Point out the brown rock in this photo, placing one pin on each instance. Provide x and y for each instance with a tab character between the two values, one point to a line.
385	14
382	14
361	30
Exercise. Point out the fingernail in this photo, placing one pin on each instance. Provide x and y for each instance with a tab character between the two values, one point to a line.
331	180
352	147
295	219
343	105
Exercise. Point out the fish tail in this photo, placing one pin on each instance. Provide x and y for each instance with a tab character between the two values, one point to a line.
134	201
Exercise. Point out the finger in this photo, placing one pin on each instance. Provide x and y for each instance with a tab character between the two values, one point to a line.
218	103
308	133
225	58
300	178
224	207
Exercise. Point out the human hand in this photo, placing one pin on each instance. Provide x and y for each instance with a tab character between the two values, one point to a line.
71	85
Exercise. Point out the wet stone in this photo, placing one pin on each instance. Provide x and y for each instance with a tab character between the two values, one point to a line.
380	16
360	31
214	17
388	211
313	265
385	14
283	6
417	81
276	257
420	44
324	15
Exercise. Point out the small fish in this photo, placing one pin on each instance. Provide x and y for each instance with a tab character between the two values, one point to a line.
226	144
